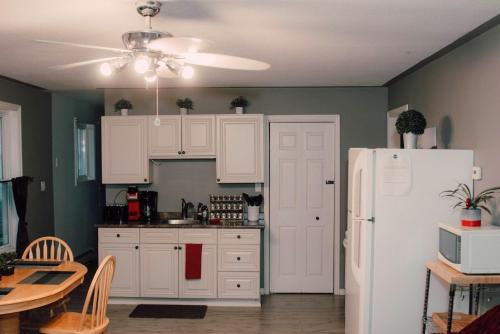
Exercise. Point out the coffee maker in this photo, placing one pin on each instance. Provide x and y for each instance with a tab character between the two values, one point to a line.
149	204
134	212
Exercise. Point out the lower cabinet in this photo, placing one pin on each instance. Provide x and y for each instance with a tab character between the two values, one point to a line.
126	278
151	262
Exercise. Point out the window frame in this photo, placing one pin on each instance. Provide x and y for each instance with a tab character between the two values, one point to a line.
90	151
12	153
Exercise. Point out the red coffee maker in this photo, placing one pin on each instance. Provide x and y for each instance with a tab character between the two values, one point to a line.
134	211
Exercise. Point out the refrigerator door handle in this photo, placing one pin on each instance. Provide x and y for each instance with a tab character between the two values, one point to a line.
358	187
355	255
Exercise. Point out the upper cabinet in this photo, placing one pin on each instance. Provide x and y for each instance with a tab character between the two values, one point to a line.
125	150
191	136
165	139
240	148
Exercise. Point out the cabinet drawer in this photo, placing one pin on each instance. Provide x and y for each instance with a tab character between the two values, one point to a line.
239	285
159	236
119	235
239	237
198	236
239	258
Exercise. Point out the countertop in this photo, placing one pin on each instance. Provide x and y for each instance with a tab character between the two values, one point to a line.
157	224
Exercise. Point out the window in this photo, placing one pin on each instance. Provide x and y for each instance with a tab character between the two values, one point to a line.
10	167
84	152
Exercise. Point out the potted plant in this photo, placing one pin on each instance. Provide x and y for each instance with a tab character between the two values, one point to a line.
123	106
185	105
6	263
239	104
471	206
411	124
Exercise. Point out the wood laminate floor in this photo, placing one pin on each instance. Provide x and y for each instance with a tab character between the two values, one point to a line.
280	314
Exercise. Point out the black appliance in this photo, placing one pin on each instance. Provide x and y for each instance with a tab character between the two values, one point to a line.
148	201
115	214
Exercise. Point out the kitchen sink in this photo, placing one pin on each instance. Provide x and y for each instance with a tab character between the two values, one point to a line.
186	221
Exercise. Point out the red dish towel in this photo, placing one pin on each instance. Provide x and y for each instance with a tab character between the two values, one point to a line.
193	261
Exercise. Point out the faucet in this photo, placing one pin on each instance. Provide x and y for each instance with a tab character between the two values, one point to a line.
185	206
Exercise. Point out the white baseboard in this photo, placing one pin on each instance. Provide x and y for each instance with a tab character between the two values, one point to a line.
208	302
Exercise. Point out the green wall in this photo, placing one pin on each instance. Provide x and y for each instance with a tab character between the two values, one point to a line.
362	113
76	208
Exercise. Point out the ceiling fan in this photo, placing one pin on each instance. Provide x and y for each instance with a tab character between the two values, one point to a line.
159	54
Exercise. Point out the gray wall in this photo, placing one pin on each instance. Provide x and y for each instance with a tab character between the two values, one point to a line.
76	208
37	151
362	117
459	93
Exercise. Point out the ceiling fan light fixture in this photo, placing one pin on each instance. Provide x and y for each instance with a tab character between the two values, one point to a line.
106	69
187	72
150	77
142	64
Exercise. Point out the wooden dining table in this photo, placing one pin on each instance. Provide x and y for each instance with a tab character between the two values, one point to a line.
26	296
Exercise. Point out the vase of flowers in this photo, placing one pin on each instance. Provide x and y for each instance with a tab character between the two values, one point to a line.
123	106
239	104
471	206
411	124
184	105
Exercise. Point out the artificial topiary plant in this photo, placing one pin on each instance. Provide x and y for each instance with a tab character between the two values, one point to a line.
411	121
186	103
122	104
240	102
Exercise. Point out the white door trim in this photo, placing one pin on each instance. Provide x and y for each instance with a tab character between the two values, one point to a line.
336	240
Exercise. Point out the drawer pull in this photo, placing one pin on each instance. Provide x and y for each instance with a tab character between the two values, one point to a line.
136	247
180	248
238	258
238	236
118	235
317	218
238	285
175	247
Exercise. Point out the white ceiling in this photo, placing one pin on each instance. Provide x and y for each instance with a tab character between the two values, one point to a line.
307	42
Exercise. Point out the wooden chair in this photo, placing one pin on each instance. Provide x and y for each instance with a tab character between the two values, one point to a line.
48	249
97	301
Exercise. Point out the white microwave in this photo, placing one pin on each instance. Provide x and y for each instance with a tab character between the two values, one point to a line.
470	250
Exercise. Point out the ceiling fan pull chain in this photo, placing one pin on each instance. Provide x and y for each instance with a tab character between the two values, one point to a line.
157	119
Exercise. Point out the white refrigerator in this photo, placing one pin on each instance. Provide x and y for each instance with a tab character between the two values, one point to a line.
394	207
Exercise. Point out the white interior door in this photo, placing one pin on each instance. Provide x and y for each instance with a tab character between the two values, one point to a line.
302	207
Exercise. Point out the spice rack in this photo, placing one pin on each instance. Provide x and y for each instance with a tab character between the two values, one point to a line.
228	208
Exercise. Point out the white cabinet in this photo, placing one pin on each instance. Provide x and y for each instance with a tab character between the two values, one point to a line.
177	137
125	150
198	136
126	278
240	149
159	270
206	287
164	139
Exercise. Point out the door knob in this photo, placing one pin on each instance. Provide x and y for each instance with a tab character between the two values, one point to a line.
238	285
183	152
175	247
136	247
118	235
238	258
179	152
317	218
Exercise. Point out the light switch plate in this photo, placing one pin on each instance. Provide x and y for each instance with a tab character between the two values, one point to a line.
477	173
43	186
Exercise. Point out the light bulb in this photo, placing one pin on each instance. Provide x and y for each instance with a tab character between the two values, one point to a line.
106	69
187	72
157	121
142	64
150	77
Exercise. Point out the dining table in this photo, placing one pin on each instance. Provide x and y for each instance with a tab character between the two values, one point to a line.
35	285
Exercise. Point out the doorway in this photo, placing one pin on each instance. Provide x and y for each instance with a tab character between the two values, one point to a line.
302	172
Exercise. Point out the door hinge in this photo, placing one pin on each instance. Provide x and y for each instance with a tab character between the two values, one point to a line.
330	182
372	219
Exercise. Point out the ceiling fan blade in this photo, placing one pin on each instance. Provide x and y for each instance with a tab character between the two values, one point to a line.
224	61
165	72
85	46
176	45
83	63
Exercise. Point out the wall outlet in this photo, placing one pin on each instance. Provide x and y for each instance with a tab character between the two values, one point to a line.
477	173
43	186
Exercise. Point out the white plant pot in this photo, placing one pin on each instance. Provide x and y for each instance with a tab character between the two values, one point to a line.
124	112
410	140
253	213
183	111
239	110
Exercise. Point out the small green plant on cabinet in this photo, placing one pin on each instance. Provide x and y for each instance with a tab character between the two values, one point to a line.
186	103
6	260
411	121
239	102
122	104
466	200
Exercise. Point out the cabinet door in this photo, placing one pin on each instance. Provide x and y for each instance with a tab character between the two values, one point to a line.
126	278
159	270
206	287
165	139
124	150
240	149
198	136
